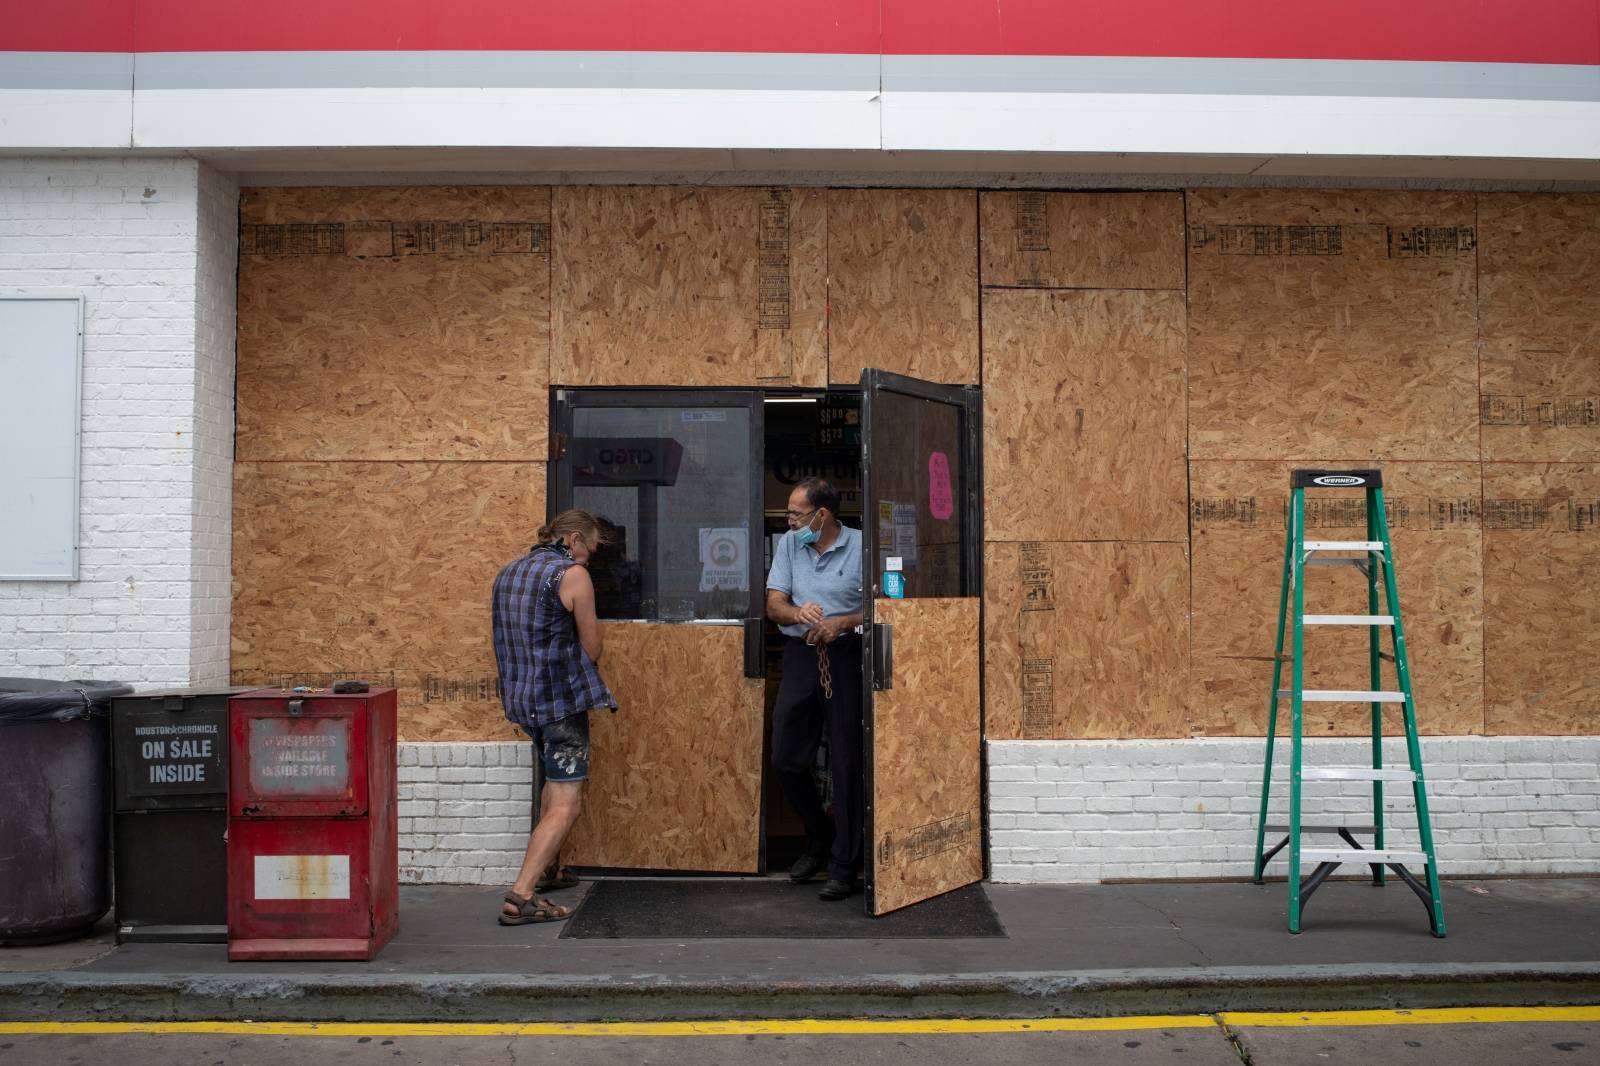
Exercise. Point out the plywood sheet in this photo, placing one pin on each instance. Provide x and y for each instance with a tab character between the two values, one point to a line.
1238	512
1541	577
903	283
1082	240
1084	398
1086	640
394	323
1539	287
927	821
1332	323
381	570
689	286
675	774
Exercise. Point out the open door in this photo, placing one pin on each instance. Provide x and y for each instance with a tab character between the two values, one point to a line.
923	648
675	778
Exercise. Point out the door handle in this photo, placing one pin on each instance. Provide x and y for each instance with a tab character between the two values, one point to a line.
755	648
882	656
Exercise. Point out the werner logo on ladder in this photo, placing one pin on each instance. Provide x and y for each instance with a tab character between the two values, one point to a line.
1376	561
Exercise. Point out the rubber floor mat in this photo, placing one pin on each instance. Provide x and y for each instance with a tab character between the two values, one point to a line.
714	909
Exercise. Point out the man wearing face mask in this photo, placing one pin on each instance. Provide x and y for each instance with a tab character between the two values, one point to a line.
814	594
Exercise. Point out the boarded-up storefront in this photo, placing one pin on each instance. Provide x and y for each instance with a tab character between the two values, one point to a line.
1152	365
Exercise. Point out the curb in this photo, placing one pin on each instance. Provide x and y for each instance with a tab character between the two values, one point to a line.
58	996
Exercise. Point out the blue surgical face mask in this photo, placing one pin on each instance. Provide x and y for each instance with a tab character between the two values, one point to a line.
805	535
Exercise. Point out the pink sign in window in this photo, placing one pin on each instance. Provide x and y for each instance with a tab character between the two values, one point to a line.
941	501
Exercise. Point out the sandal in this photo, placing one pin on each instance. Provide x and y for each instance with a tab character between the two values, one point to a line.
555	878
531	909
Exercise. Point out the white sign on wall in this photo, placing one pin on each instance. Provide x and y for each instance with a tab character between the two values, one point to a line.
40	359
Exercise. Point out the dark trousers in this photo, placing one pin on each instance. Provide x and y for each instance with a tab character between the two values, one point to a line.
801	714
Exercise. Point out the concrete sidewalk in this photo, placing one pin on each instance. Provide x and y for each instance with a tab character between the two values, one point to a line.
1069	950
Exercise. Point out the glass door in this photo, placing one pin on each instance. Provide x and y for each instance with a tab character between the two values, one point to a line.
923	651
674	476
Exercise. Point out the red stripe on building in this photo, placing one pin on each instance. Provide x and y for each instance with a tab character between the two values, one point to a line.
67	26
831	26
1466	31
1479	31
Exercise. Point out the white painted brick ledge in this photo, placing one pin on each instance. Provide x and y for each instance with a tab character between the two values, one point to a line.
465	811
1085	811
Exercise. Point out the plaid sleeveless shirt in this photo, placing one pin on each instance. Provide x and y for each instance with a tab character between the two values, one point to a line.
545	675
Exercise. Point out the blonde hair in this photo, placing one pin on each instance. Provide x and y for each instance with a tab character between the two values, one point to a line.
565	524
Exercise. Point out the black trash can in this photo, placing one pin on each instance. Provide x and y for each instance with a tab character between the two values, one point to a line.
55	772
169	751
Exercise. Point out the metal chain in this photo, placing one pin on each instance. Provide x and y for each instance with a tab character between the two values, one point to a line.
824	670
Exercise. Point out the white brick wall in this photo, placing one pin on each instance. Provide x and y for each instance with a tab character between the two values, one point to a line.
465	812
1072	811
211	507
144	241
1066	811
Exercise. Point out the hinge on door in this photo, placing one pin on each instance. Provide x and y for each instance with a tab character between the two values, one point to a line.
558	447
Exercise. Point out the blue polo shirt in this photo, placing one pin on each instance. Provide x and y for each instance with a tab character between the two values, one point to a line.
831	580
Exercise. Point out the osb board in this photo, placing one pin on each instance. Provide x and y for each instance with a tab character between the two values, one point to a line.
1539	295
1082	240
903	283
394	323
927	737
675	774
689	286
1332	323
380	570
1085	640
1083	400
1541	590
1237	515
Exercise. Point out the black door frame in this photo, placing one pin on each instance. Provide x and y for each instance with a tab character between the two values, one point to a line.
877	643
566	399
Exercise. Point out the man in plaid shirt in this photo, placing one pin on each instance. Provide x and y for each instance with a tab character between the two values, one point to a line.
547	645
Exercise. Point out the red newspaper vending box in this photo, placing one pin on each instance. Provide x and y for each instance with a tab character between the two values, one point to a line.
313	866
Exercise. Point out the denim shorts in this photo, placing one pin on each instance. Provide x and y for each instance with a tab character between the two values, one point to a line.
563	747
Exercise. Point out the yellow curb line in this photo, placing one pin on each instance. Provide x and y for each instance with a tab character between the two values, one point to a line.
809	1026
1441	1016
822	1027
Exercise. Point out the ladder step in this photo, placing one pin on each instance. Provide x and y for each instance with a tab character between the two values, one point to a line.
1359	564
1354	773
1273	827
1335	695
1349	620
1361	855
1343	546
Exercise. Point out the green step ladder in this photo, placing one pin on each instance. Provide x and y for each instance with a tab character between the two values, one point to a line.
1376	561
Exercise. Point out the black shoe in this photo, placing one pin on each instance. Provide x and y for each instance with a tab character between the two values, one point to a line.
835	889
806	867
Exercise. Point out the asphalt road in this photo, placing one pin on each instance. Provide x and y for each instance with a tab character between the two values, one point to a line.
1198	1042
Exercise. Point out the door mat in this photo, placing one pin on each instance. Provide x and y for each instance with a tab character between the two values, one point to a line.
699	909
